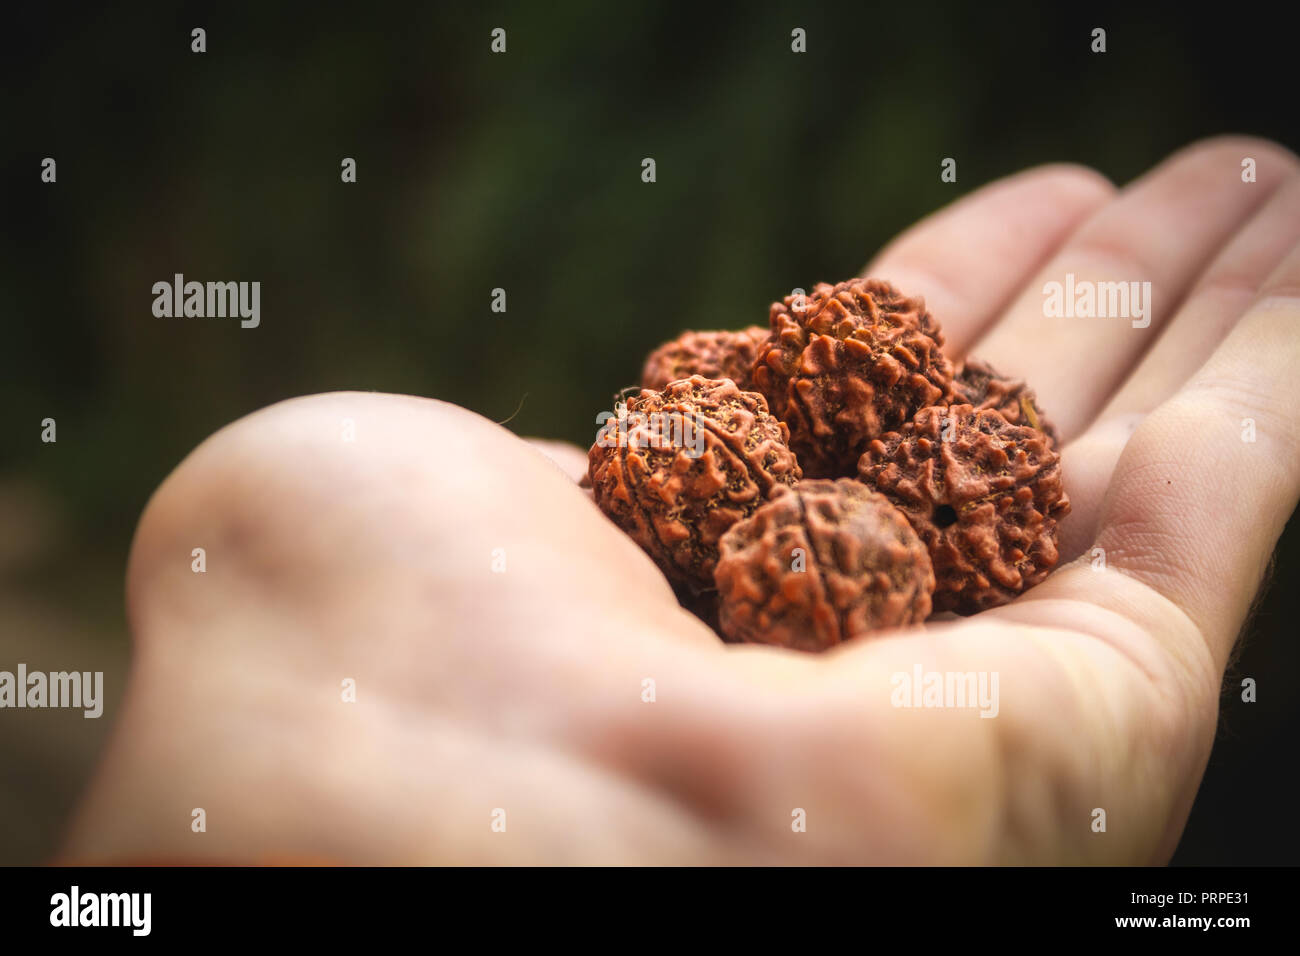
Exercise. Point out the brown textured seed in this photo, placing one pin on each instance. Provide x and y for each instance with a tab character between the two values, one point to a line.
983	494
676	504
711	354
858	360
820	563
978	383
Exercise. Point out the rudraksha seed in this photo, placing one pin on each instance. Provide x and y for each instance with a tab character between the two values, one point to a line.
984	495
859	359
711	354
678	467
820	563
978	383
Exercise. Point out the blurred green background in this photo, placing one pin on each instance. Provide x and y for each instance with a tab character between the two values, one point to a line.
520	171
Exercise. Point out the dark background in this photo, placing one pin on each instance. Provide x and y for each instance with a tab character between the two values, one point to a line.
520	171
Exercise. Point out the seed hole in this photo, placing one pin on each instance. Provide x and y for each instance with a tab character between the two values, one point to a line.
944	515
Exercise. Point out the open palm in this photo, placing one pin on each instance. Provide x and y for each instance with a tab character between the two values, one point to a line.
527	689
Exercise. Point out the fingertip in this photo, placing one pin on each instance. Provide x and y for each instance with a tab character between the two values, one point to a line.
1232	149
1072	183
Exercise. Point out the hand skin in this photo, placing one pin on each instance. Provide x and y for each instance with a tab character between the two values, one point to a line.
522	691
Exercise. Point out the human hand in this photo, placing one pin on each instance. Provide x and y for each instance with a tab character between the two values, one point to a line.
522	690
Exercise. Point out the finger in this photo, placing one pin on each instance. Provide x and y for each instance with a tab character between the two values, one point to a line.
1149	246
971	257
1206	483
1209	313
570	459
1217	302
